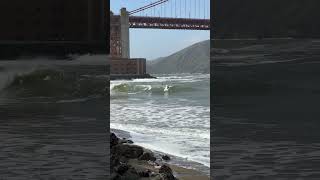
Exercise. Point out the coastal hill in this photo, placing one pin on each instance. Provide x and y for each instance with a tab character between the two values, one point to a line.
266	18
193	59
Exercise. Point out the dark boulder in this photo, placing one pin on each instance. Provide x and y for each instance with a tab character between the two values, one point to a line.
124	140
127	150
121	169
131	174
166	158
166	173
114	160
165	169
147	156
114	140
129	141
145	173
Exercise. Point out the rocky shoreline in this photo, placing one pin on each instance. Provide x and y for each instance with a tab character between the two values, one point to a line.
129	161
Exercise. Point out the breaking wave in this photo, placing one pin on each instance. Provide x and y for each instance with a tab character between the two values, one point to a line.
56	83
148	88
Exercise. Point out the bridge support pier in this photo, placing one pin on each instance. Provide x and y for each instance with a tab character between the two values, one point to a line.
125	38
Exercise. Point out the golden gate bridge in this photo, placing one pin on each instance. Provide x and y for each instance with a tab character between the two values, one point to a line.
160	14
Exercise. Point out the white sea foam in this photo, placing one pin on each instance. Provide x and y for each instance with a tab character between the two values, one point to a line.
177	123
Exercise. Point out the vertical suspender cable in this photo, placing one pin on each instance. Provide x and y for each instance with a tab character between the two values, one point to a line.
190	7
171	8
164	14
199	9
204	9
154	12
164	10
176	8
185	9
161	6
195	9
209	10
180	8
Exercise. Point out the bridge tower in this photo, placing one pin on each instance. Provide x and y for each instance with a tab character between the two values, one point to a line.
124	31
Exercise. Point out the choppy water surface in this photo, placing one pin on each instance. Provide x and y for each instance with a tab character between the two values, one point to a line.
266	123
170	114
53	119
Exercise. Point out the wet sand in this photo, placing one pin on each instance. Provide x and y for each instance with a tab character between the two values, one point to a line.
188	174
179	172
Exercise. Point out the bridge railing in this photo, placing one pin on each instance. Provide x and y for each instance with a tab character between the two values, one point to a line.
168	23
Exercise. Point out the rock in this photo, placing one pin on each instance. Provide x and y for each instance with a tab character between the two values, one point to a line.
131	174
147	156
165	169
166	173
166	158
122	169
114	160
114	140
123	141
145	173
129	141
127	150
122	150
123	159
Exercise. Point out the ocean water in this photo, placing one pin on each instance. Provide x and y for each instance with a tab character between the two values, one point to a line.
170	114
53	118
266	122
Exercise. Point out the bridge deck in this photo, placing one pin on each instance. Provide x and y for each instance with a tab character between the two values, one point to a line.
168	23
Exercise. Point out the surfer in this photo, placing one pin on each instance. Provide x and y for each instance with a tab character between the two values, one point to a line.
166	88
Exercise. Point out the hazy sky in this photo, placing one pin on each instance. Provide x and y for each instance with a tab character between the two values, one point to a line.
151	43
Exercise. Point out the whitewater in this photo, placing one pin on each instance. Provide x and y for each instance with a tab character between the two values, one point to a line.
169	114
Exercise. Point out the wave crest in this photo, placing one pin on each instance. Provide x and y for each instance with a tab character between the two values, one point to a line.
148	88
49	82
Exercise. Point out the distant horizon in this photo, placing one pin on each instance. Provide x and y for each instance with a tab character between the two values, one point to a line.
154	43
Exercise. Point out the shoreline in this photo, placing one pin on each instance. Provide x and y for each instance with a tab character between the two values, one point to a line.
153	164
